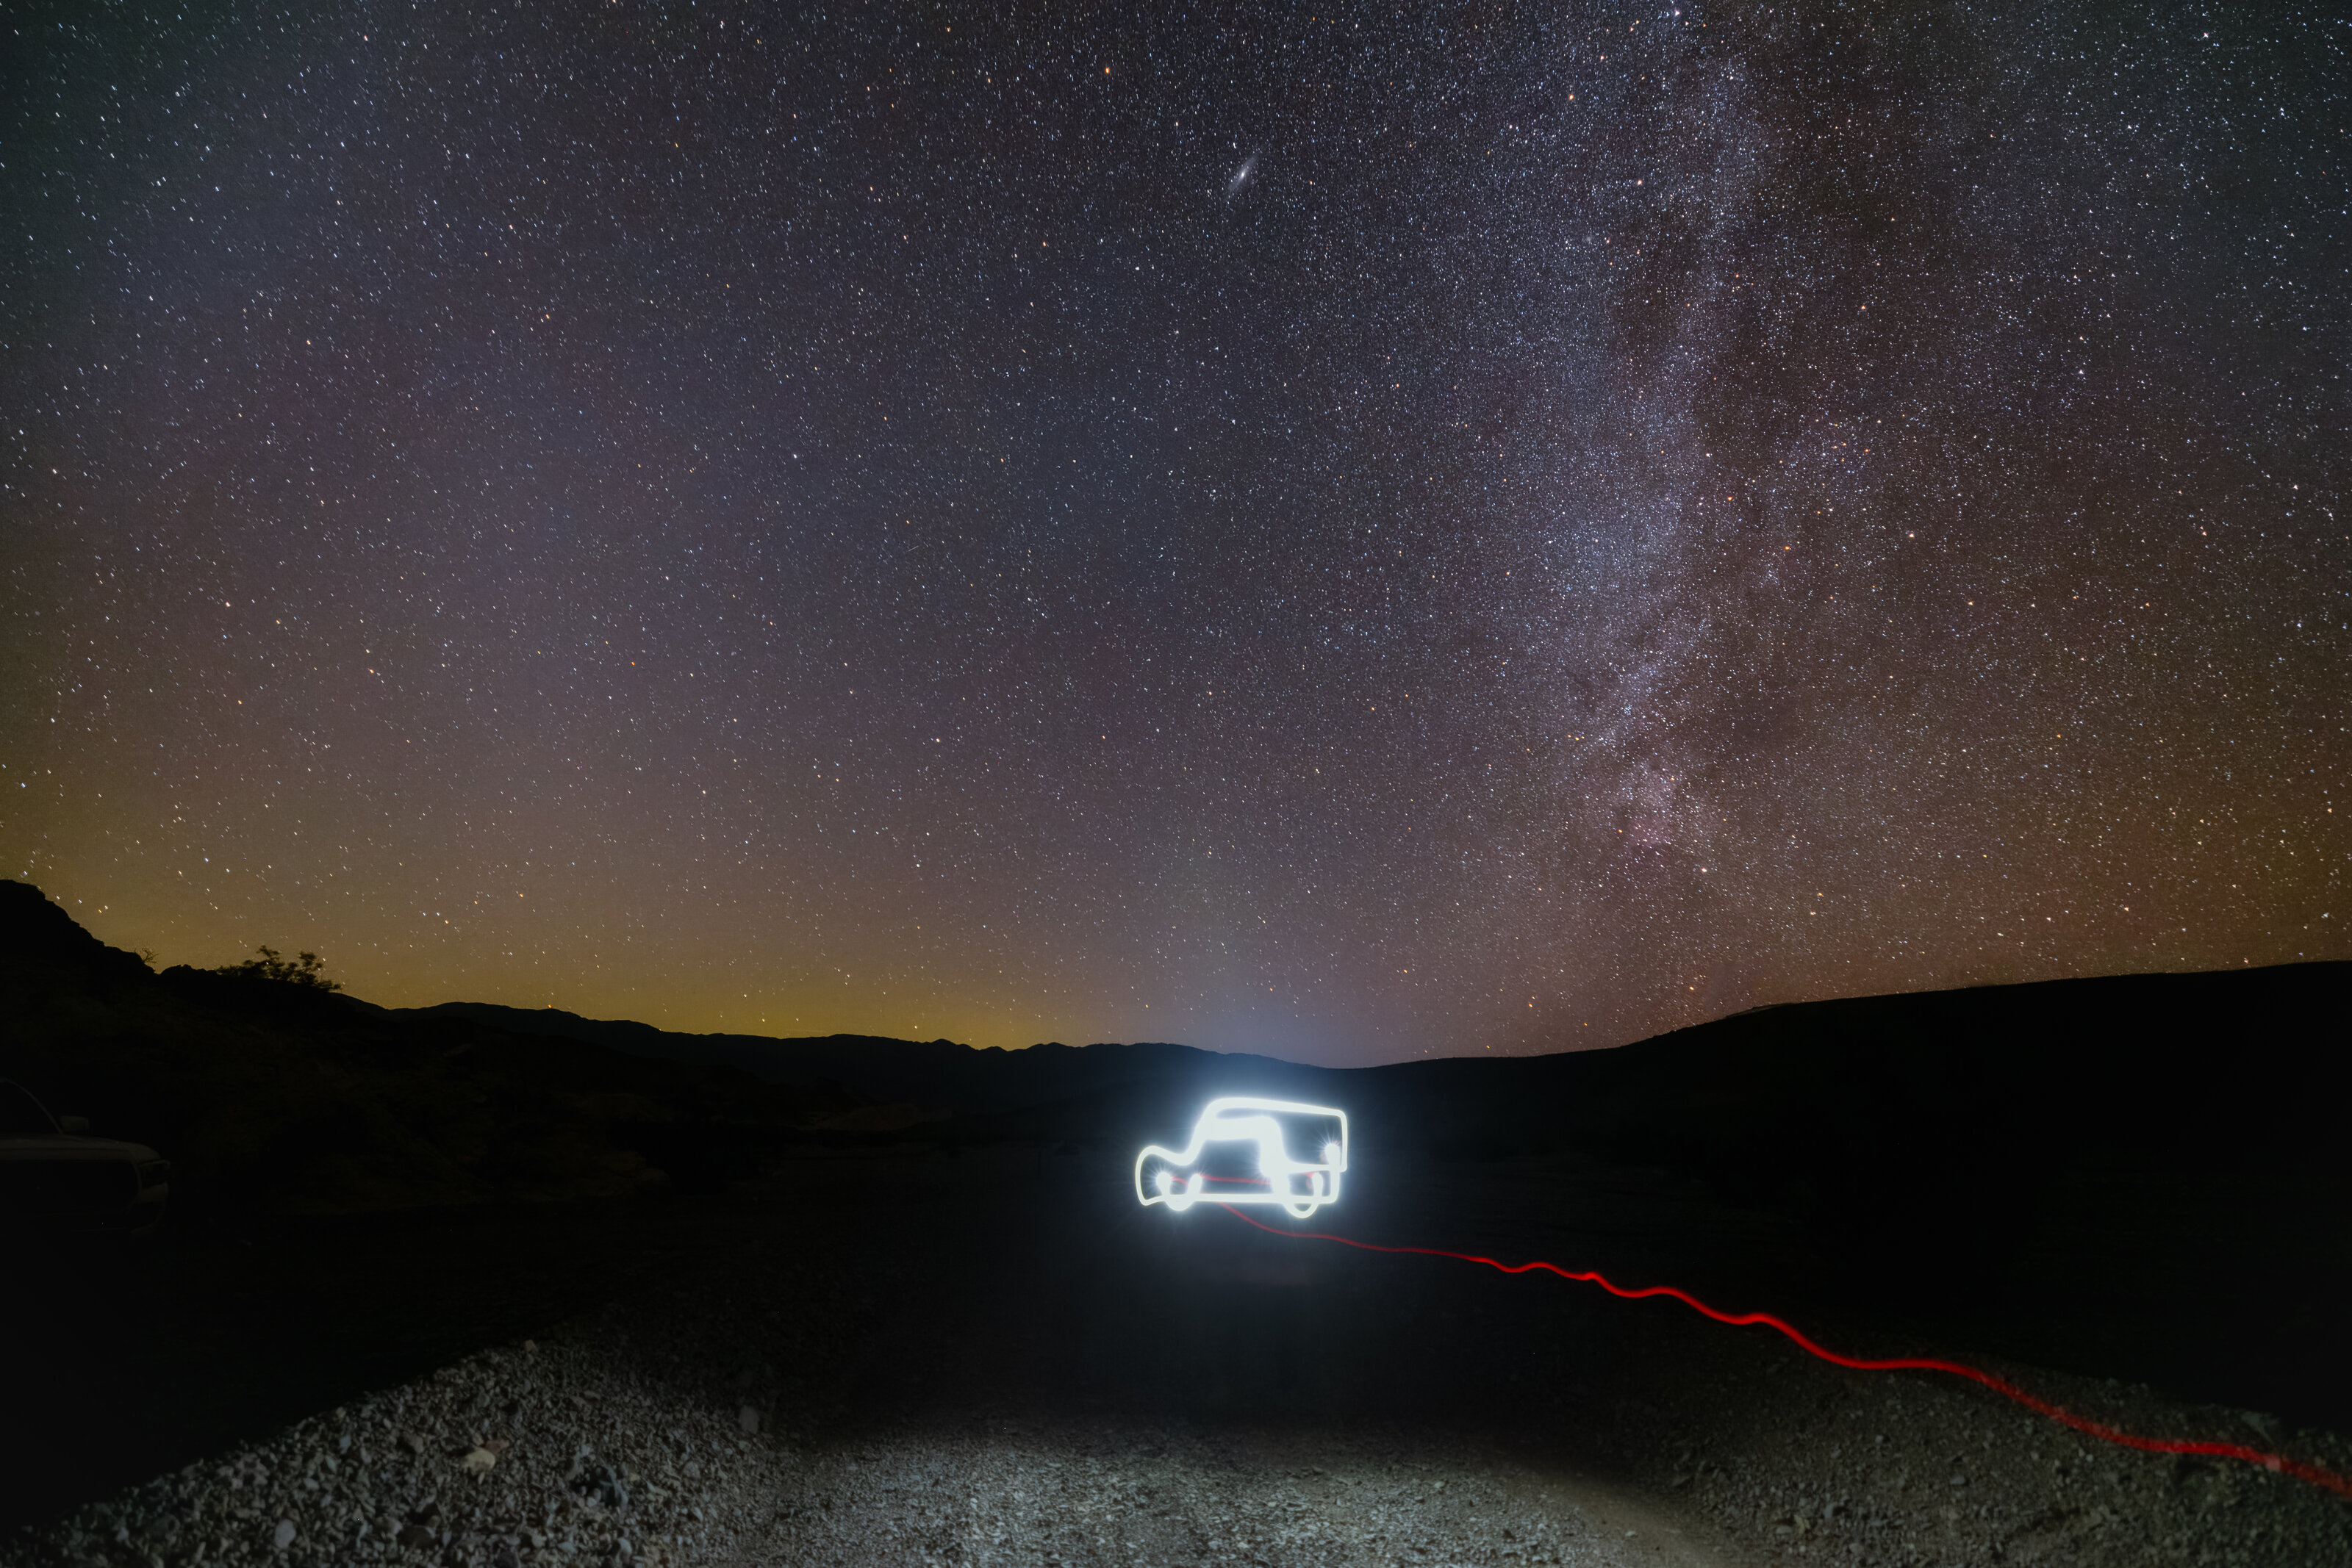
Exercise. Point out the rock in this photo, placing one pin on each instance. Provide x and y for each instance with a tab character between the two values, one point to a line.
598	1483
479	1461
747	1418
412	1442
283	1536
416	1535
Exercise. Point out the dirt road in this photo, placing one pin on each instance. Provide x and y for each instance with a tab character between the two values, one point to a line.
999	1358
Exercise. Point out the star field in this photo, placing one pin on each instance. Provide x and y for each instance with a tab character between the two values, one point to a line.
1339	535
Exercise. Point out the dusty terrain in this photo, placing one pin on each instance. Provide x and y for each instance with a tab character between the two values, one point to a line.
998	1358
2131	1177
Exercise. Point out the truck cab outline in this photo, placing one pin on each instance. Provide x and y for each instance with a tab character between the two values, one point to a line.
1298	1187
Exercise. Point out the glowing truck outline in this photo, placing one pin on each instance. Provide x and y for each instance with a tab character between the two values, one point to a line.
1244	1118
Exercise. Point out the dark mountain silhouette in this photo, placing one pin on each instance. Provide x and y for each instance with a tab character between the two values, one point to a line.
878	1067
1977	1098
1974	1090
2137	1175
289	1098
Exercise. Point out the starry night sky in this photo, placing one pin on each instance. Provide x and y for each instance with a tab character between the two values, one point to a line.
1344	536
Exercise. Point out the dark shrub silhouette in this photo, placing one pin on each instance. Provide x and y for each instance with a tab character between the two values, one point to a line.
302	970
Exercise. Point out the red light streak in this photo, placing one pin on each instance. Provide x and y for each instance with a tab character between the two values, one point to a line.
2280	1463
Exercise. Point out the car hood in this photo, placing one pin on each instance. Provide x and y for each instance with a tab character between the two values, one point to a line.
72	1146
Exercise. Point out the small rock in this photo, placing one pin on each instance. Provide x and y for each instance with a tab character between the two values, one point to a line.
283	1536
412	1442
748	1418
479	1461
416	1535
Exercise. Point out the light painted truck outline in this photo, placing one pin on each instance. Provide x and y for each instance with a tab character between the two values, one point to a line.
1298	1186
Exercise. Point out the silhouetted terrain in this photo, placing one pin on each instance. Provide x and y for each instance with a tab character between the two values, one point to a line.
2137	1177
283	1098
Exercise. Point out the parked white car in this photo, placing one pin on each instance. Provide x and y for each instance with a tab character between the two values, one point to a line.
1243	1151
54	1174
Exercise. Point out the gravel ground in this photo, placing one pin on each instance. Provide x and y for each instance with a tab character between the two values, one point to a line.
540	1453
564	1452
814	1396
1110	1492
1799	1461
567	1452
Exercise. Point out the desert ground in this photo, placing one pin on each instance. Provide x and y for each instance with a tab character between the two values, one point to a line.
994	1355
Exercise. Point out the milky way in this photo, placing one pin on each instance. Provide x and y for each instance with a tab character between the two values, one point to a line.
1343	535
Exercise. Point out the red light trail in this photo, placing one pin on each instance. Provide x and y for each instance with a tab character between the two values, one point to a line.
2280	1463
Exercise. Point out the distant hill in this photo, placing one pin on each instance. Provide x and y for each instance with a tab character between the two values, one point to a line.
327	1100
2140	1175
281	1097
878	1067
2247	1063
